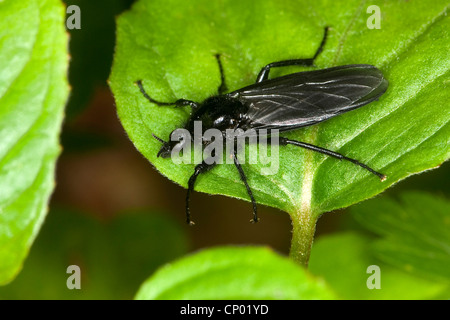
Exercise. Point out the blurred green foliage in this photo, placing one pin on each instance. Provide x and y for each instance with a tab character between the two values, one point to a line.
234	273
414	232
114	256
342	260
33	93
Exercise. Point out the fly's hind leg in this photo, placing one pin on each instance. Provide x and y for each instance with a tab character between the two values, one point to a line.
284	142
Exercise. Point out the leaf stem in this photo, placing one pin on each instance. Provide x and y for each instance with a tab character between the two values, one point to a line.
303	229
302	217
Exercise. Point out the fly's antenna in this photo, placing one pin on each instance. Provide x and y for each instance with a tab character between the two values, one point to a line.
158	138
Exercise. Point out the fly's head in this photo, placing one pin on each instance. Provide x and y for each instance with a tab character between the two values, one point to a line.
166	147
177	139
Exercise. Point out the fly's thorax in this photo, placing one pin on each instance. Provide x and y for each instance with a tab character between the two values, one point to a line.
218	112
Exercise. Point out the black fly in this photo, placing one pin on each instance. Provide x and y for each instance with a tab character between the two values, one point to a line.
284	103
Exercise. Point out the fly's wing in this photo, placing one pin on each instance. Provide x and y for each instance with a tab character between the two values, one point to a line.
305	98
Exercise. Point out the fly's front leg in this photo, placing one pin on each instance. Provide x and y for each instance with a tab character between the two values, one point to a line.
199	169
264	73
178	103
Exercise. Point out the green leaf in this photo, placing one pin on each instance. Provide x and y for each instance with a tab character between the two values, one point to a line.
170	45
414	232
342	260
233	273
114	256
33	91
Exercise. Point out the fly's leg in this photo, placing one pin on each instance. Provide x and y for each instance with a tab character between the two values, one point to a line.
244	179
264	73
223	86
284	141
199	169
178	103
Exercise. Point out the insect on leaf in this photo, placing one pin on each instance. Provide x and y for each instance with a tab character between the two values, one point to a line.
170	45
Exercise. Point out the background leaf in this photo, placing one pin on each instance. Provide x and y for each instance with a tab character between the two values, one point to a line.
233	273
33	90
342	260
171	46
414	232
114	256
